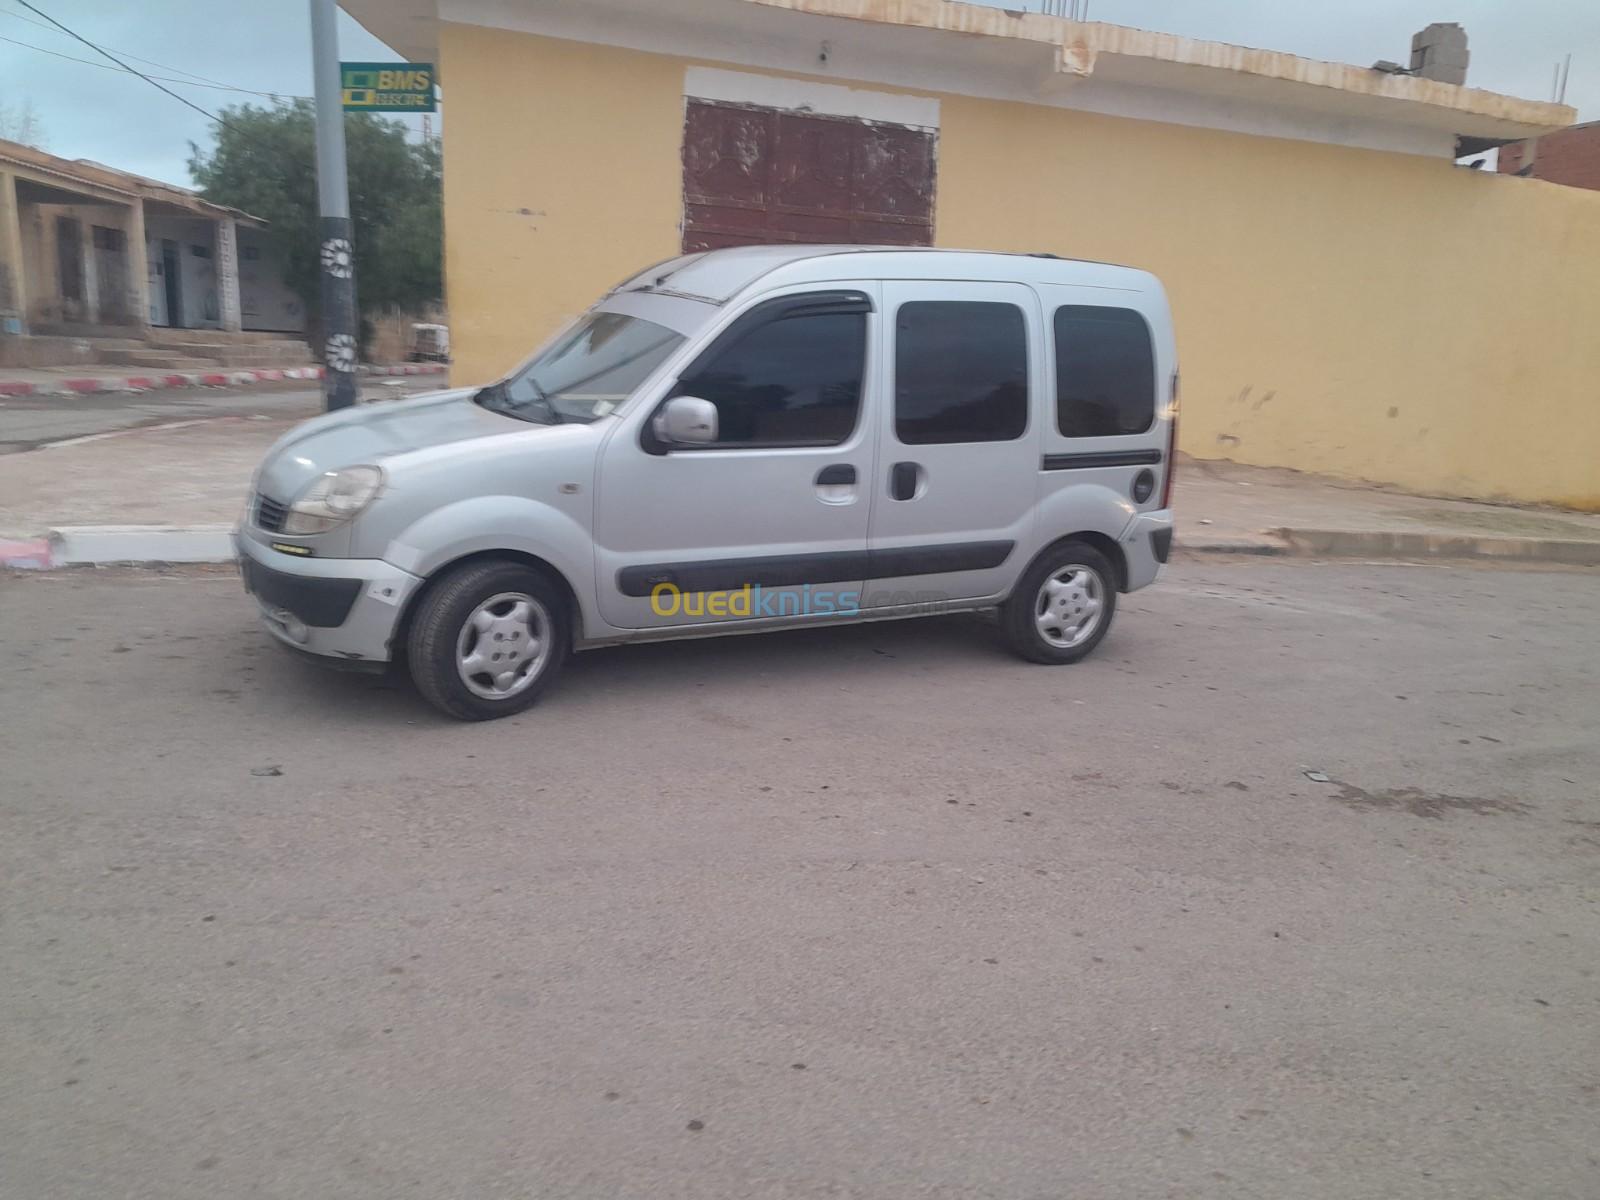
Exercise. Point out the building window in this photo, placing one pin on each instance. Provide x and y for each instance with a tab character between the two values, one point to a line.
792	381
961	372
106	238
1105	372
200	251
249	253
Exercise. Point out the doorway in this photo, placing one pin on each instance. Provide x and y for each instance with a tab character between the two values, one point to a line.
69	266
171	286
110	273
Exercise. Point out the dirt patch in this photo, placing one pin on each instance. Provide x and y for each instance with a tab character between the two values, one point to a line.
1433	805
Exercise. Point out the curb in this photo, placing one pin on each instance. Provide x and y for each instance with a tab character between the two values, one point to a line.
117	545
1265	547
32	554
1346	543
151	383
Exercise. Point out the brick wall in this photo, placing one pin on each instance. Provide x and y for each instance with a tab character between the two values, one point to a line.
1571	156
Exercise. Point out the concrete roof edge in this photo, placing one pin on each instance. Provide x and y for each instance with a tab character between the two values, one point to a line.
1080	43
126	183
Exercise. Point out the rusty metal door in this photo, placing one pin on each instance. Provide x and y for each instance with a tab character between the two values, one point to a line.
753	175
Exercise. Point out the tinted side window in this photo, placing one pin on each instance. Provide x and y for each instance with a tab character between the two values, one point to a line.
795	381
961	372
1105	372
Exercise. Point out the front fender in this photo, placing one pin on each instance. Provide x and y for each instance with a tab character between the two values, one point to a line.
487	523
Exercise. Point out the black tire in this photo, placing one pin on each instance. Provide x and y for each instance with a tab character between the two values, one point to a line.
1018	616
438	627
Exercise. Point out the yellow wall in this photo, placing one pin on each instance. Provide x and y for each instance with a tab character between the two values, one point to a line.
555	189
1371	315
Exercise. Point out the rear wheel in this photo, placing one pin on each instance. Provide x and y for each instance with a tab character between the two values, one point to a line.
488	639
1062	606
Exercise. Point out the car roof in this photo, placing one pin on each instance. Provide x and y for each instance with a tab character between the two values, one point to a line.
718	276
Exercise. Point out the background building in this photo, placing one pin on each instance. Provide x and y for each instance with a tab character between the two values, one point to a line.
1569	156
92	257
1344	294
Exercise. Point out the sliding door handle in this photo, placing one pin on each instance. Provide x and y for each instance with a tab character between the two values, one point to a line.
904	478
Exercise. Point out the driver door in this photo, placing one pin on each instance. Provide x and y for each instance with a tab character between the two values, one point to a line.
769	519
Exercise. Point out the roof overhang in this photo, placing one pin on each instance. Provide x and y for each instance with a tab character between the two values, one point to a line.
96	181
978	50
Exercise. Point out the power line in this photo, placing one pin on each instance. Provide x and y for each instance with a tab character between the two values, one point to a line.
184	100
126	54
227	87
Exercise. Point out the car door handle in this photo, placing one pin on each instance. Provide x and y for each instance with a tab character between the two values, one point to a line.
839	473
903	480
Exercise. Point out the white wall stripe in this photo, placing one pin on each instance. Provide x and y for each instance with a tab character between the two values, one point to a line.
827	99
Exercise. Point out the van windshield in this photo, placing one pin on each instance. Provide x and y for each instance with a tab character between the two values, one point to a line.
586	373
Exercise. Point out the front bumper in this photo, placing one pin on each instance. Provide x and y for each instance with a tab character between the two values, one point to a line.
344	608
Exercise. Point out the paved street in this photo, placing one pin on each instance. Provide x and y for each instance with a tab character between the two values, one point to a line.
875	912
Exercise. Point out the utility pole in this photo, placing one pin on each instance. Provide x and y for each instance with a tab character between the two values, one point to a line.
333	197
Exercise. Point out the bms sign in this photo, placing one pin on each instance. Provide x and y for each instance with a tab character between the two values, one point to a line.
387	87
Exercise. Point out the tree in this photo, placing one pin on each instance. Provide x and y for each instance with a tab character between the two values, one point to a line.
20	123
264	162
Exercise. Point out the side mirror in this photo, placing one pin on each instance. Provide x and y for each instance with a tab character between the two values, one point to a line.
686	421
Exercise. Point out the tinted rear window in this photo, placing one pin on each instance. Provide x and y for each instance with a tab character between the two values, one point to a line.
961	372
1105	372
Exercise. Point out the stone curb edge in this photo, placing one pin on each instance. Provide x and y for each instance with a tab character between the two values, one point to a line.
1370	543
178	379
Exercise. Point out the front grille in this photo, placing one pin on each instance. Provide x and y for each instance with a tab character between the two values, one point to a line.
269	513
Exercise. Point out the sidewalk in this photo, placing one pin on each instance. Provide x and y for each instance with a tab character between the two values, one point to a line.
1224	507
73	381
195	475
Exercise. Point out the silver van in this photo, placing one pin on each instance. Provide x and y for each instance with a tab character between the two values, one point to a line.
741	440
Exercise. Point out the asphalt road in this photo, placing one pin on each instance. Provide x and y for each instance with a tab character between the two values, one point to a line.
875	912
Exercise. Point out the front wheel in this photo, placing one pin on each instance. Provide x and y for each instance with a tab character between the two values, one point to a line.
488	639
1063	606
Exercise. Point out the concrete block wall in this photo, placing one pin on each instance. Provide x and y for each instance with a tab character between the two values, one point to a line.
1440	52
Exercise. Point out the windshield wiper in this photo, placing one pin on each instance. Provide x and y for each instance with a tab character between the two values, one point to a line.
496	398
543	398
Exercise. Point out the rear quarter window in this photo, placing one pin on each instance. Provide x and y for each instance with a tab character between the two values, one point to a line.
1105	372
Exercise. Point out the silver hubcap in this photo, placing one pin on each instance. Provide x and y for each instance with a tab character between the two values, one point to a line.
503	645
1070	606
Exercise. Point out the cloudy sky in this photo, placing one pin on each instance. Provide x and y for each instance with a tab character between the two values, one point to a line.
264	45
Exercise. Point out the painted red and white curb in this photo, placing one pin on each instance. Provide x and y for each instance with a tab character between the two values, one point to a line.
29	554
114	545
185	379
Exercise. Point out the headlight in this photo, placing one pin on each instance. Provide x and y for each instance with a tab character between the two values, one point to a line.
333	500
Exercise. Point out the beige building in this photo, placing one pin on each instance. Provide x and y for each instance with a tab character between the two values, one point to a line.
86	250
1347	299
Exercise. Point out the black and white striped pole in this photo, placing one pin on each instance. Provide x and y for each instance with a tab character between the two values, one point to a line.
333	198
